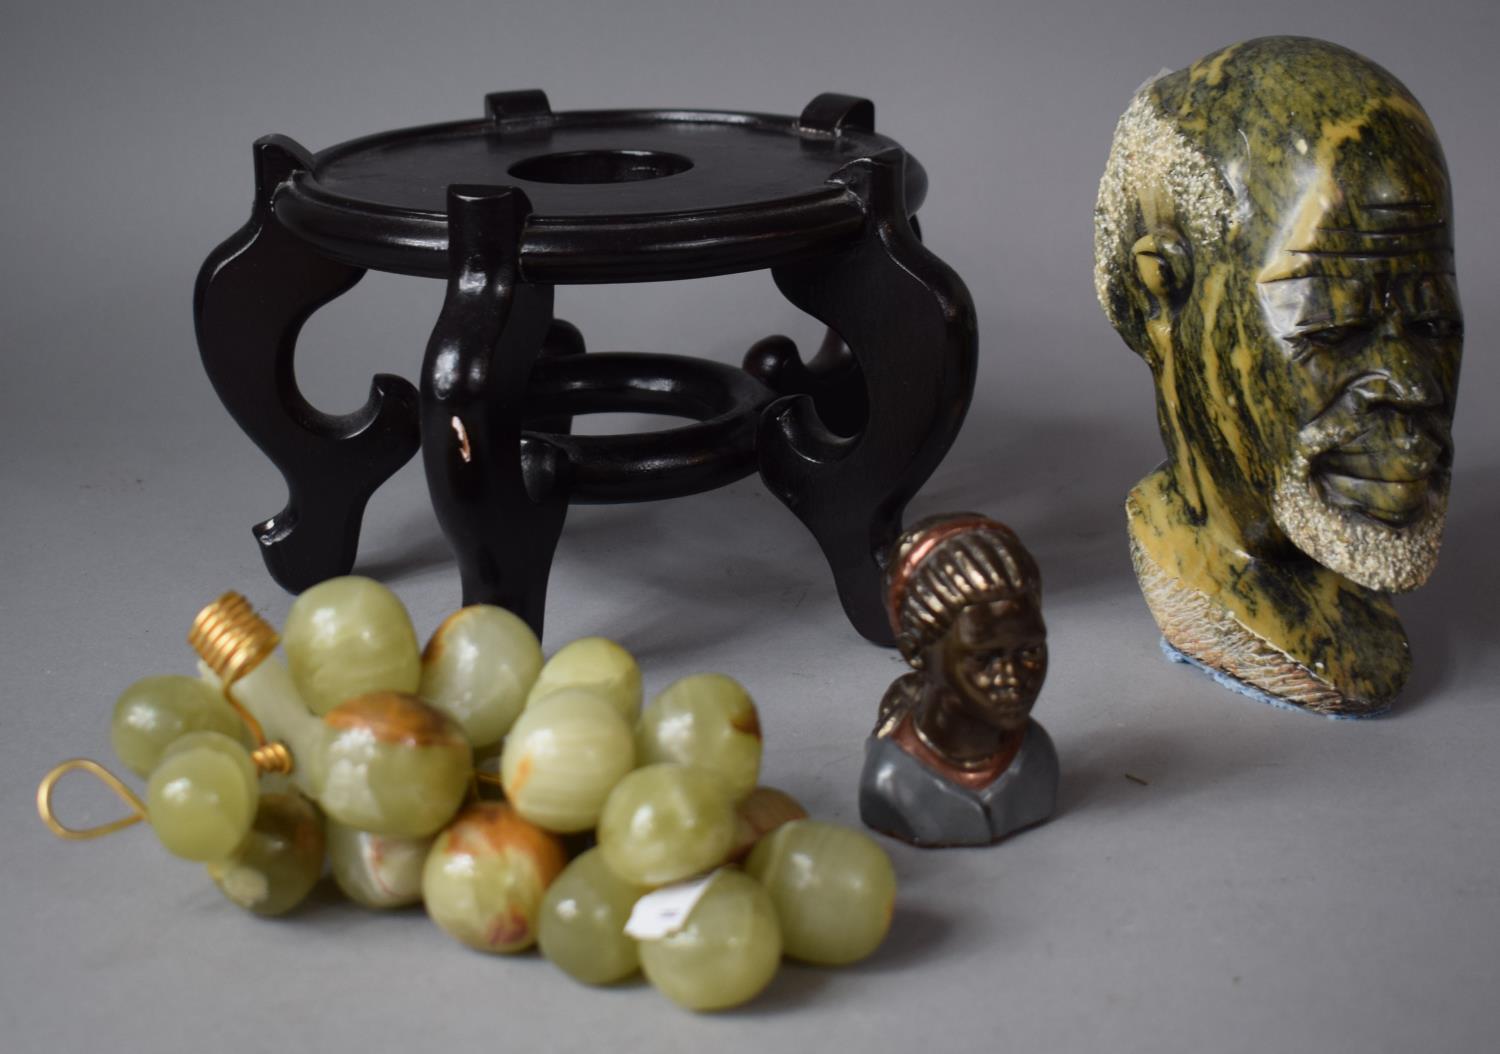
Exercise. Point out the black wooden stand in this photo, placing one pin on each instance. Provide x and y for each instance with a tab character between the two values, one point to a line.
534	199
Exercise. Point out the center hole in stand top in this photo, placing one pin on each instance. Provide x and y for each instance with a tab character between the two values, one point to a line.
600	166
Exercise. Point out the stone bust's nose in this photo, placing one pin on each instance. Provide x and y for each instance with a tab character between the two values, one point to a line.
1398	377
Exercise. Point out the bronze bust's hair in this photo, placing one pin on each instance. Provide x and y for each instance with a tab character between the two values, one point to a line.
945	563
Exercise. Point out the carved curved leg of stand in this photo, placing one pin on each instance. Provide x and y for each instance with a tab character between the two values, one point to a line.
499	496
909	322
254	292
832	377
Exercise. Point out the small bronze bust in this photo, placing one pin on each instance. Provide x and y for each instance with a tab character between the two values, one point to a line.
955	758
1273	237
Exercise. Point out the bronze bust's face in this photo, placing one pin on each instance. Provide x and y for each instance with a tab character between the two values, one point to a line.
965	602
994	657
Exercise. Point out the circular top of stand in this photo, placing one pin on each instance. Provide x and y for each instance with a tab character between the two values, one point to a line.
615	195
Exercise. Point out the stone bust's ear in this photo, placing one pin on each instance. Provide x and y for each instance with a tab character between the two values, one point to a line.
1164	264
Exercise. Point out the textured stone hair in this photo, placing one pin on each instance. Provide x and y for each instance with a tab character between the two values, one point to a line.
981	563
1152	160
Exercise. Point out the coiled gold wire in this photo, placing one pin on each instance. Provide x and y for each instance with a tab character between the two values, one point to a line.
232	640
273	757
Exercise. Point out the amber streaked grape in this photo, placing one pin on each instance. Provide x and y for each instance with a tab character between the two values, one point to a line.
486	875
201	798
349	636
583	919
833	887
597	664
377	870
762	811
563	757
279	863
478	667
726	951
708	720
391	764
155	711
666	822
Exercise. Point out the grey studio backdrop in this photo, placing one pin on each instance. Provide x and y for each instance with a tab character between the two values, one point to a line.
1268	881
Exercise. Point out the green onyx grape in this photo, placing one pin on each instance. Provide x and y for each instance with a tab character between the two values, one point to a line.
708	720
277	866
155	711
390	764
666	822
377	870
201	798
563	757
726	951
597	664
478	668
583	918
485	877
833	887
347	637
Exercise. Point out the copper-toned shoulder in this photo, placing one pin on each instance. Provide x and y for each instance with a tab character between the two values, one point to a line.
898	701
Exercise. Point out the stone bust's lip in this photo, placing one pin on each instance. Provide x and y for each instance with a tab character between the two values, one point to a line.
1377	467
1396	502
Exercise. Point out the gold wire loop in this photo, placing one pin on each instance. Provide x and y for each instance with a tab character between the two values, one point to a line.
109	779
232	640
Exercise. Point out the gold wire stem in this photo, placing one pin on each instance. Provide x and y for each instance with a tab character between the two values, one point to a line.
232	640
109	779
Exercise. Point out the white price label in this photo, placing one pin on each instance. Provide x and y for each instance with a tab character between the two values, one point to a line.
662	912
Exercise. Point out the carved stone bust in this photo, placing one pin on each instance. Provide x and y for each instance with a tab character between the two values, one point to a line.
955	758
1274	238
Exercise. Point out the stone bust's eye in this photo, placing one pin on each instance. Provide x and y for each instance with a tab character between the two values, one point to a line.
1435	328
1332	336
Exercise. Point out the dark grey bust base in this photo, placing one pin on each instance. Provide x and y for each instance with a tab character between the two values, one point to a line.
903	798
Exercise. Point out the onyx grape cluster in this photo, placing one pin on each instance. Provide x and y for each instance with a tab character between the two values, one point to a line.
522	801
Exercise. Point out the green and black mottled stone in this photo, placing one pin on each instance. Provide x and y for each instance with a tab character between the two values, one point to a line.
1327	270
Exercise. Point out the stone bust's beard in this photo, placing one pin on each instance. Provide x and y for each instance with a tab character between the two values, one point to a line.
1387	557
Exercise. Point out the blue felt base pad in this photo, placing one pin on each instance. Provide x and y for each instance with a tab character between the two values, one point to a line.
1249	691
